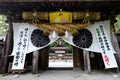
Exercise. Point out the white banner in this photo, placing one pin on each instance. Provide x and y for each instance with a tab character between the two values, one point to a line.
16	26
21	47
23	44
94	46
107	52
68	37
105	46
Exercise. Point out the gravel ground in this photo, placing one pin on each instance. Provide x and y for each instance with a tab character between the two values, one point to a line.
63	75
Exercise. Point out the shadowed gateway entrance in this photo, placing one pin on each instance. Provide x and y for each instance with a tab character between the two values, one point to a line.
80	60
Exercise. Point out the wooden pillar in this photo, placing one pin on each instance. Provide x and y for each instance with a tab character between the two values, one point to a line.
40	60
43	64
35	62
6	49
43	59
116	47
114	39
81	59
76	58
87	65
47	57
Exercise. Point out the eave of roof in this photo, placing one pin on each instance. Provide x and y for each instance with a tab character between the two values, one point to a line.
56	0
15	8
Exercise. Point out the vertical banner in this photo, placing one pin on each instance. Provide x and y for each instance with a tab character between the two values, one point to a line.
21	47
105	46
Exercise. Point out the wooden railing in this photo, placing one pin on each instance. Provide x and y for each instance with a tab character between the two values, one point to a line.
65	57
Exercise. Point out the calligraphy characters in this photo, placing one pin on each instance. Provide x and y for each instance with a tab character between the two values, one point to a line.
103	41
21	46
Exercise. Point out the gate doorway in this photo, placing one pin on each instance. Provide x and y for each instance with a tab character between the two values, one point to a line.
46	58
60	55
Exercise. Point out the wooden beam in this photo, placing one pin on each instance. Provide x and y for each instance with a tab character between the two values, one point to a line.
6	49
35	62
57	0
87	61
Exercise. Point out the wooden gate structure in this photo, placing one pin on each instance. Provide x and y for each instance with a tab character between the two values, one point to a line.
81	59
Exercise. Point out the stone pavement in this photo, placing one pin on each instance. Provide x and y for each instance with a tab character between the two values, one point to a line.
63	75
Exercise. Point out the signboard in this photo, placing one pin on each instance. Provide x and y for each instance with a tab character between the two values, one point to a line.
105	46
60	17
21	48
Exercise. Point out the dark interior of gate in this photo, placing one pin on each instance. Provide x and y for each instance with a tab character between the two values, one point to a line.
77	60
39	59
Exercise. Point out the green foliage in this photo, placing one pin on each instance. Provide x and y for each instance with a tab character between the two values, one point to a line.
3	24
53	44
64	43
117	24
69	46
